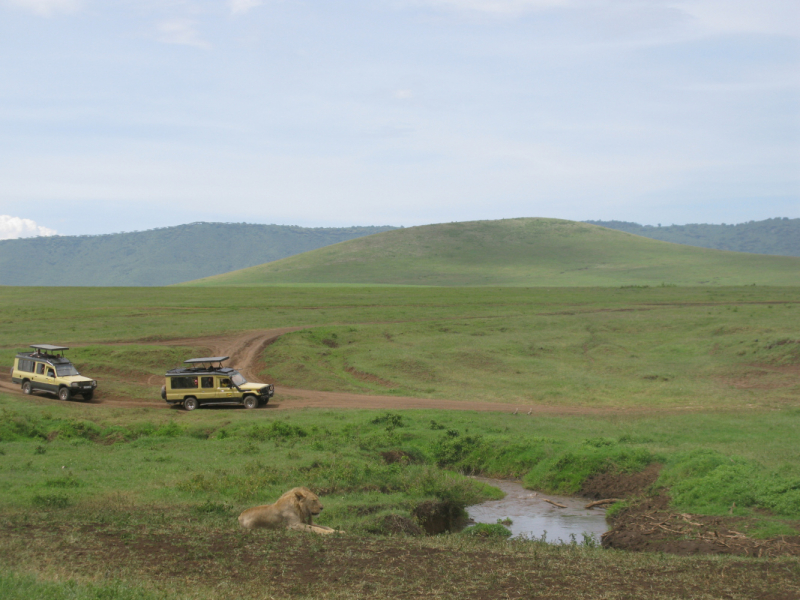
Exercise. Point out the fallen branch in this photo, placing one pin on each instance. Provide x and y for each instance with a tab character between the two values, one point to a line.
602	502
555	503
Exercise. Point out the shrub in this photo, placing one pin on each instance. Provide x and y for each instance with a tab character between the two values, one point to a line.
566	472
276	430
487	530
390	420
708	482
453	448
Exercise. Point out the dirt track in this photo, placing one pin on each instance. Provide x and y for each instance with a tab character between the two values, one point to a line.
245	351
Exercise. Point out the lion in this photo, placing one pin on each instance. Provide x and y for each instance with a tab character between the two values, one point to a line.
294	510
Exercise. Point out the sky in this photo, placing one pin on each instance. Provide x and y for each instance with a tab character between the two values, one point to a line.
135	114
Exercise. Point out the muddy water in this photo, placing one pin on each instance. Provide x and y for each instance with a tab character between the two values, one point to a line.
532	516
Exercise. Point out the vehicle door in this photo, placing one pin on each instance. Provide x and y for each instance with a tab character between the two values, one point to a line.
225	388
38	380
207	389
50	383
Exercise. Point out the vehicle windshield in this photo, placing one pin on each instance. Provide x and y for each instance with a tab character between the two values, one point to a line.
66	370
238	379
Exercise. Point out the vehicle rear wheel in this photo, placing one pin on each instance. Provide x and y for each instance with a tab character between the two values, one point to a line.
190	403
250	402
88	395
26	388
63	394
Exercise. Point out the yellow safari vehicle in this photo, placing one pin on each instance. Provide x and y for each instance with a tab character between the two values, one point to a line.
205	382
46	371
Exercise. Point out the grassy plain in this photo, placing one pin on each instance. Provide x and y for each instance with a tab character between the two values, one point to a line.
515	252
131	501
655	348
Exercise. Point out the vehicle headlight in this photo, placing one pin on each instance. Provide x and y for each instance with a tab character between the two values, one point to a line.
94	384
74	384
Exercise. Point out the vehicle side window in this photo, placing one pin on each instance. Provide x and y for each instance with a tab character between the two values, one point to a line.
224	383
39	368
183	383
207	382
51	373
25	365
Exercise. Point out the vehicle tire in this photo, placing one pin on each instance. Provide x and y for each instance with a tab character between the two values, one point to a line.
190	403
88	395
250	402
27	389
163	392
64	394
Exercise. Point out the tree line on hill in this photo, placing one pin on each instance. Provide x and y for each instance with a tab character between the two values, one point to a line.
160	256
780	236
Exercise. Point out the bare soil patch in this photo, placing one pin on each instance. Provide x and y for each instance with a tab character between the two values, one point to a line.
649	525
620	485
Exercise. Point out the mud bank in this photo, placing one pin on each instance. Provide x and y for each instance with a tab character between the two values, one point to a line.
648	524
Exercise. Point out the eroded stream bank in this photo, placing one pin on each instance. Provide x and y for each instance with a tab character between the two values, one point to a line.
535	518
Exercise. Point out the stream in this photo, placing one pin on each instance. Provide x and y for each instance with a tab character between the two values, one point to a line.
532	516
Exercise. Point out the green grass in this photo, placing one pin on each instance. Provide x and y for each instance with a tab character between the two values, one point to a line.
640	354
14	587
602	347
238	458
515	252
139	502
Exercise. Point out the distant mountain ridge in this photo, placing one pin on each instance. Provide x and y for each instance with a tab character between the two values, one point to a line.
780	236
160	256
515	252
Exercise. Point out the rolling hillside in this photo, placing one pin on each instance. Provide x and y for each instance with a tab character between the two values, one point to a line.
516	252
159	256
771	236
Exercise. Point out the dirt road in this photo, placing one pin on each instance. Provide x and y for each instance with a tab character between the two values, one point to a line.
246	351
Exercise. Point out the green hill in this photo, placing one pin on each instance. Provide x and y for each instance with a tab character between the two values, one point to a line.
159	256
516	252
771	236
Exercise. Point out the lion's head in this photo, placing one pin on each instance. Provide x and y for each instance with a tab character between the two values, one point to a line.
307	501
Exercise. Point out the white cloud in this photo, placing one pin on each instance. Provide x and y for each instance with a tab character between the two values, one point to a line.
47	8
771	17
12	228
776	17
239	7
500	7
181	32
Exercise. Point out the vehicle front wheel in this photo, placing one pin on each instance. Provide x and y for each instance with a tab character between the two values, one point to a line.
250	402
63	394
88	395
190	403
26	388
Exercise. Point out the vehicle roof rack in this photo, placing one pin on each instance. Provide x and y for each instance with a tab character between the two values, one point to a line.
209	359
49	347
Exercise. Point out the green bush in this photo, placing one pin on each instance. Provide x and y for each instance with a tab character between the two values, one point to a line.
565	472
453	448
276	430
708	482
487	530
